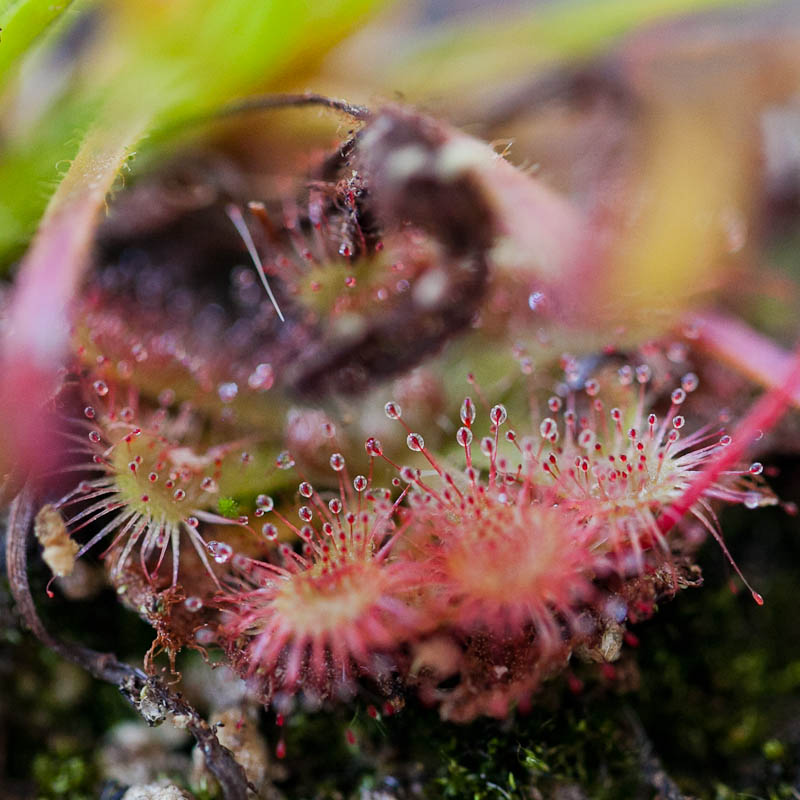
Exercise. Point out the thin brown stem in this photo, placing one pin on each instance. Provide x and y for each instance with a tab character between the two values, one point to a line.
273	102
649	763
148	695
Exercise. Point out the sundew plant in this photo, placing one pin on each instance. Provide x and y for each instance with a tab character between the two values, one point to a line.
400	392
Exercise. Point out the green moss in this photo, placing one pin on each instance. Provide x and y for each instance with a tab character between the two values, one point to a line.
714	681
64	775
717	695
228	507
720	674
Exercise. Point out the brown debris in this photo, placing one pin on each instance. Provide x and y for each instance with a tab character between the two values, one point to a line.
58	549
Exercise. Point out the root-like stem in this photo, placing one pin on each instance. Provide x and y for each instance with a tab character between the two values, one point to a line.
649	763
148	695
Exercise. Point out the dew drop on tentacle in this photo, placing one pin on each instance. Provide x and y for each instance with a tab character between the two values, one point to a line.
227	391
464	436
752	500
262	378
306	533
221	552
535	299
678	396
548	428
284	460
265	502
269	531
498	415
415	442
393	410
468	412
408	475
690	382
193	604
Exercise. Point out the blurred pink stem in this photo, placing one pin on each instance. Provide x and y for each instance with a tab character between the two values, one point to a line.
747	351
36	336
761	417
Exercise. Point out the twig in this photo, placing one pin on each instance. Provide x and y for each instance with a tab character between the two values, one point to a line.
272	102
10	487
649	763
148	695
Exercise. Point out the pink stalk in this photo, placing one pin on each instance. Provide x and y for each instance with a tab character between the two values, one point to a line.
761	417
746	350
36	336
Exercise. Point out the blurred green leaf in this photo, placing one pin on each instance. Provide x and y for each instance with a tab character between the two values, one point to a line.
22	22
472	57
158	62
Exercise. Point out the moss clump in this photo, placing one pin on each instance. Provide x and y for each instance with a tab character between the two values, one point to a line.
64	775
228	507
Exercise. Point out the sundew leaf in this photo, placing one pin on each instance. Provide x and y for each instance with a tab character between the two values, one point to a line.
154	62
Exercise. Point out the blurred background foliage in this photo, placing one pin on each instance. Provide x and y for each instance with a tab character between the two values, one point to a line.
69	67
671	126
647	117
